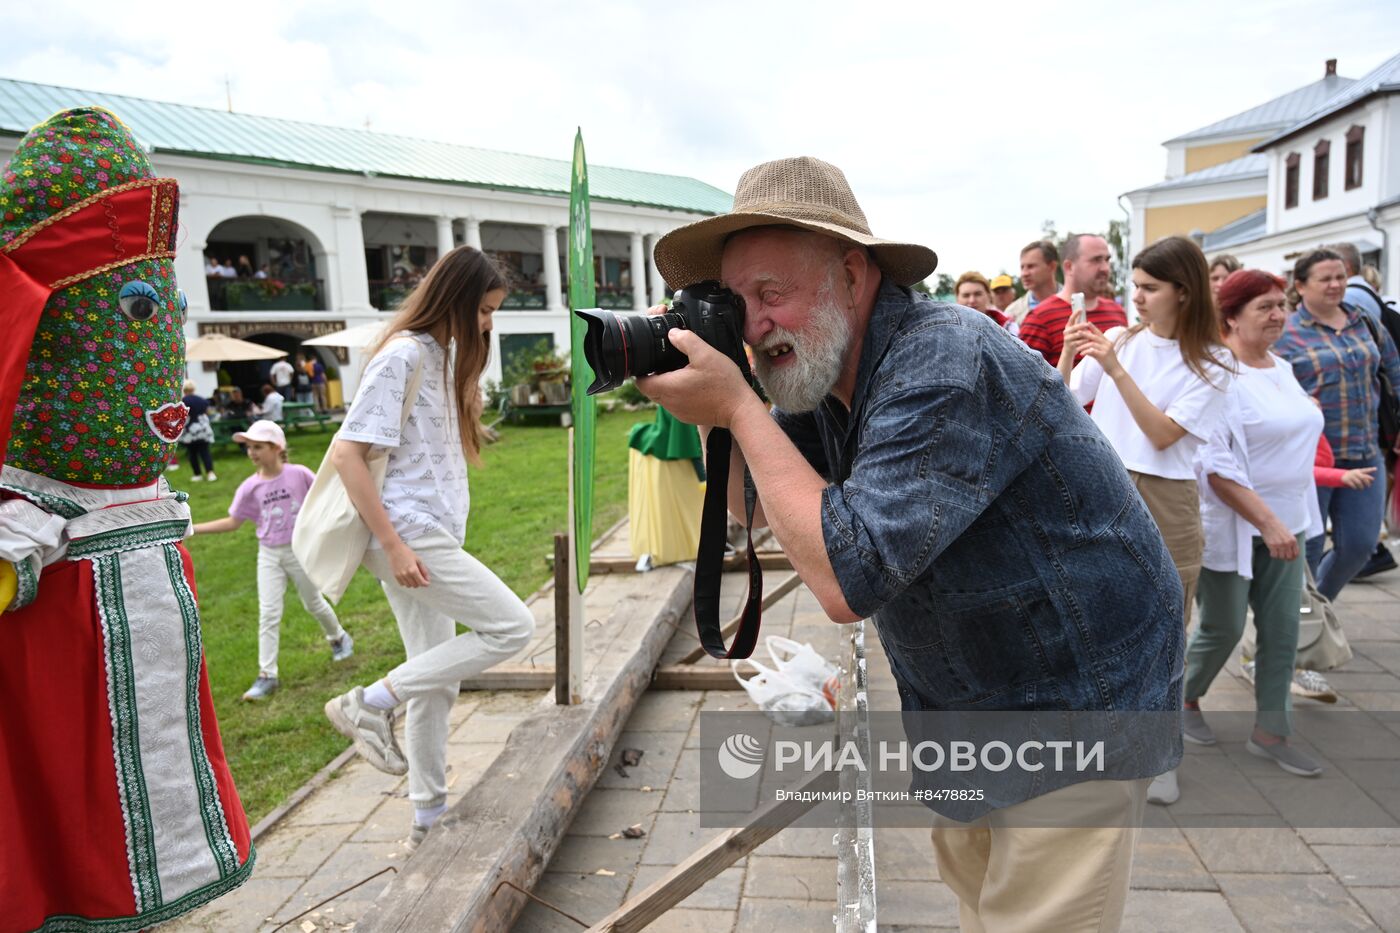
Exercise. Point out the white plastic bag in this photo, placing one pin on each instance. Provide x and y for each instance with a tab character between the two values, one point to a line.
800	663
784	701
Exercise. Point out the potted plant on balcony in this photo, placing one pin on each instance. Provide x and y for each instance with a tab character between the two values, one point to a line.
270	295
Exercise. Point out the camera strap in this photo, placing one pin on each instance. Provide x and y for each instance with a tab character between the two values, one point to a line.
709	562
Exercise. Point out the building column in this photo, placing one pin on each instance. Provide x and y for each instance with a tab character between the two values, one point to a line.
347	276
658	284
445	242
473	232
549	248
639	274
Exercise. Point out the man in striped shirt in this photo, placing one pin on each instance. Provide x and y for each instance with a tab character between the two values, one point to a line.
1088	270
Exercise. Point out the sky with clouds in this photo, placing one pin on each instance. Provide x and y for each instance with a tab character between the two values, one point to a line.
960	125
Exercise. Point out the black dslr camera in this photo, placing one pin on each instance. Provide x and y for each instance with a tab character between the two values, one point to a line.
621	345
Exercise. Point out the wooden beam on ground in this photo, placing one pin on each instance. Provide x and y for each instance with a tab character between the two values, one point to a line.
511	822
694	677
768	560
542	677
790	583
714	857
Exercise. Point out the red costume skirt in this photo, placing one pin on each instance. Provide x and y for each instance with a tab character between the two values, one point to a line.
117	809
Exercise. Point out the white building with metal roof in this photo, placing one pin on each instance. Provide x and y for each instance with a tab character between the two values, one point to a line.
1214	179
336	224
1333	176
1329	173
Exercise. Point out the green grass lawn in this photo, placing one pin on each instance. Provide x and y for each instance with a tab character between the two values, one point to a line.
517	505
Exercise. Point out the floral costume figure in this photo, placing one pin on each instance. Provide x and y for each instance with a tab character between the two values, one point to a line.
117	809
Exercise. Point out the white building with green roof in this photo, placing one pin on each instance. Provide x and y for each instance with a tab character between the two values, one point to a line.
341	222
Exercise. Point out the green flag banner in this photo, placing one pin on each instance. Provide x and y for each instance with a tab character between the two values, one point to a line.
585	408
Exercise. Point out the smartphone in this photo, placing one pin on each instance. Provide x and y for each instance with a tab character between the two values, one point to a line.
1077	313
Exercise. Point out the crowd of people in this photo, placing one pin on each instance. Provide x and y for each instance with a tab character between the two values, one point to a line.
1245	409
971	477
221	268
1202	455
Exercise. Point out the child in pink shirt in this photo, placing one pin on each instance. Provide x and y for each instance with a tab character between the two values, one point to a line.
271	498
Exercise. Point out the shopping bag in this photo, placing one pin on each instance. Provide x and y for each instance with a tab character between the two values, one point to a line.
784	701
330	538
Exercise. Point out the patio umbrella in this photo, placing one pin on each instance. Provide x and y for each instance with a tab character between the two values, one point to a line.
217	348
356	338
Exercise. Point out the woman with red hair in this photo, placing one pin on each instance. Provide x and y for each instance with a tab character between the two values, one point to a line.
1258	507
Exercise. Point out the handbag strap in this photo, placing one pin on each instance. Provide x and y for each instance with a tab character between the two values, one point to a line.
415	382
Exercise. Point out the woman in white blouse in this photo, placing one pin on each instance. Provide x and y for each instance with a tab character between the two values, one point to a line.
1162	399
1259	505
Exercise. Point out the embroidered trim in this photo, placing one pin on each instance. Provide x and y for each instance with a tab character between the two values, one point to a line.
211	809
55	504
72	209
86	498
127	539
154	254
26	583
124	516
68	923
121	701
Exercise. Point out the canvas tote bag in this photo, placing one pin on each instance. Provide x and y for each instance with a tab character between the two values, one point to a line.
1322	645
329	538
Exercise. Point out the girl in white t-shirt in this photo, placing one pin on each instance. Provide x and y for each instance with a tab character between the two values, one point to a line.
438	341
1164	394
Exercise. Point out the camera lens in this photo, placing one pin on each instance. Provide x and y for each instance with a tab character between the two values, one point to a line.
621	345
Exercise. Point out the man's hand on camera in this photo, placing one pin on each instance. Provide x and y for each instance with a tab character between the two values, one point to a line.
709	391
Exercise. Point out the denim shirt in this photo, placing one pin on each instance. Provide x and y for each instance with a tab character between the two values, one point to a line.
983	522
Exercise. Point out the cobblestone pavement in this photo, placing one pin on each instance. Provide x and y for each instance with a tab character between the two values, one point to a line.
1266	878
352	827
1261	879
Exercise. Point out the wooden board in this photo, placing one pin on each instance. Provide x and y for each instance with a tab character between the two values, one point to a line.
703	676
768	560
518	811
711	859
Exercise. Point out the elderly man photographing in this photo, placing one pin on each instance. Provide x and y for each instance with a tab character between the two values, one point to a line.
923	469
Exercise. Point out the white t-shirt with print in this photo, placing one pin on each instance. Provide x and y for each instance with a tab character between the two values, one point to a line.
1156	366
425	479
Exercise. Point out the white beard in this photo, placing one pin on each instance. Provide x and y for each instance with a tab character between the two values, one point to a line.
818	352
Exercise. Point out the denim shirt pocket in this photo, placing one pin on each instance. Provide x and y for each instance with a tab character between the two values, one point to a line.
973	650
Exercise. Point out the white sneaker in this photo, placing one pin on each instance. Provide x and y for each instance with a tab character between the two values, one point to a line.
1163	790
1312	686
372	730
197	478
171	466
211	477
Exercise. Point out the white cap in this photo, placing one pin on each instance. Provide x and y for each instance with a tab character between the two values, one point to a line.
264	431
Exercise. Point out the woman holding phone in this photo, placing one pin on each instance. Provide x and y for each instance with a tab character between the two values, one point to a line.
1164	394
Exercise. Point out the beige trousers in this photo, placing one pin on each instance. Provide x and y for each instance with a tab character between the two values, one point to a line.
1012	875
1175	504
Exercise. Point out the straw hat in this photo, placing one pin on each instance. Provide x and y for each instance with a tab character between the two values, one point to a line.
801	192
